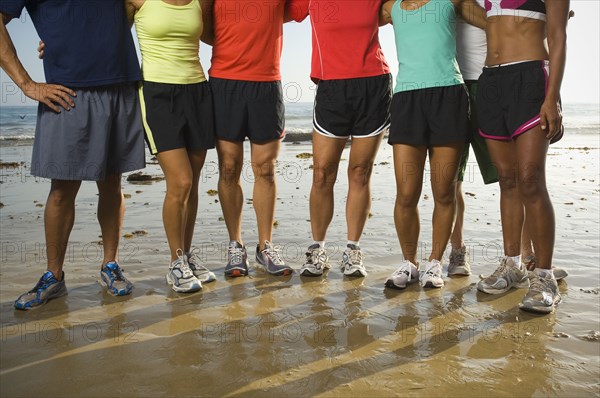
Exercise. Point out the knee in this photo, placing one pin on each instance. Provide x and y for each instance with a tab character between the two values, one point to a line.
531	187
406	200
359	175
445	196
180	188
264	171
324	177
507	181
62	195
229	171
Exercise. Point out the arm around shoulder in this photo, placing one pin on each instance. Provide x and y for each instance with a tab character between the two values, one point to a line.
385	15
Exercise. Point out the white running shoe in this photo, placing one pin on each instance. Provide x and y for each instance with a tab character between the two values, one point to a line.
180	276
406	274
352	262
316	261
432	276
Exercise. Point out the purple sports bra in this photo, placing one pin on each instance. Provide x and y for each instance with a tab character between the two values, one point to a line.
535	9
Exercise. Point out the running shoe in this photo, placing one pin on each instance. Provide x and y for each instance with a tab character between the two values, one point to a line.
406	274
543	295
316	261
112	277
203	274
505	277
237	260
180	276
459	264
432	276
47	288
352	262
271	260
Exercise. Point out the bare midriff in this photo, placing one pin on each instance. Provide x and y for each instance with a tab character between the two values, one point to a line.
513	39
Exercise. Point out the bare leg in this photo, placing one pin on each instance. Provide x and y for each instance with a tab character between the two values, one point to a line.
59	216
111	209
196	162
456	238
360	167
264	157
178	174
409	163
231	158
444	162
326	160
532	148
504	157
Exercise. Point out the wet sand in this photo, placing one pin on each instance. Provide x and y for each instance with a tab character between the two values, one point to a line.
267	336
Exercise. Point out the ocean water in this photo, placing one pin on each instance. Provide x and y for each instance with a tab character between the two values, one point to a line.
17	123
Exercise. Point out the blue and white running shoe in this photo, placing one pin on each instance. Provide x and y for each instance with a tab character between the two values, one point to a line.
112	277
47	288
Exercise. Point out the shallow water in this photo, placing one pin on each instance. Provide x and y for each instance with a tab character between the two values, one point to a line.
267	336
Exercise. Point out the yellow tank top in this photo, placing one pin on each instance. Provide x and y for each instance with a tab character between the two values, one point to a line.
169	38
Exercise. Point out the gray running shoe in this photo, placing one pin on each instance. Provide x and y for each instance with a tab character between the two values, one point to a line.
316	261
180	276
352	262
543	294
505	277
459	262
432	276
237	260
271	260
47	288
406	274
203	274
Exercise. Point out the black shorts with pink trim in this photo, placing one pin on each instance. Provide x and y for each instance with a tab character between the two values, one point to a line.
509	98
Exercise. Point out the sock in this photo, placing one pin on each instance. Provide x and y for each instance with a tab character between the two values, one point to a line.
353	242
321	243
516	260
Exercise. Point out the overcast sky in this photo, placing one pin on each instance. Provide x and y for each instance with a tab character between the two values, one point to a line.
581	83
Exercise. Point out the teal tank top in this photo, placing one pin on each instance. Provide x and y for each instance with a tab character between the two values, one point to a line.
426	46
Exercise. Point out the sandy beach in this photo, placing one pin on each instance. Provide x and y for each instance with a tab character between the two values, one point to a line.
267	336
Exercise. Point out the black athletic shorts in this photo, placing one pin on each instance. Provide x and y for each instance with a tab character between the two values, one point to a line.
177	116
248	109
509	99
353	107
433	116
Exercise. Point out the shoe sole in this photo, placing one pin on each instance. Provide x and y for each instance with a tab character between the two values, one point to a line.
356	274
306	272
182	290
520	285
430	285
391	285
118	293
459	273
284	272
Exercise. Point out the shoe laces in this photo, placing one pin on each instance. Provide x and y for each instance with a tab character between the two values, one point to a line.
194	261
501	269
41	284
434	270
273	253
459	256
316	256
355	256
537	283
117	273
235	254
403	269
183	264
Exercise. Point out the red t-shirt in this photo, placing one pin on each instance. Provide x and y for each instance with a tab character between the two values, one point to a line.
345	37
248	40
